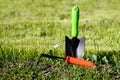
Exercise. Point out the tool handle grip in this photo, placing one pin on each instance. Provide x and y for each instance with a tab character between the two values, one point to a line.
75	20
79	62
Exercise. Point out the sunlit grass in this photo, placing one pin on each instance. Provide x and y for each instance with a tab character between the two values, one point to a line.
31	27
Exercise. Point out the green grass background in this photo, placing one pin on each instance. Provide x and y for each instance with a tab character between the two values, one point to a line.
31	27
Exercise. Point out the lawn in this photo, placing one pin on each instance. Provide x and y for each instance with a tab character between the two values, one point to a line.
31	27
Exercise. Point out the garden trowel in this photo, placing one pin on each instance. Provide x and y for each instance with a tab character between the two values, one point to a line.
75	47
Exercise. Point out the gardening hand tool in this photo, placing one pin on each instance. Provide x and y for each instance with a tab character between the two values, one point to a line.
75	47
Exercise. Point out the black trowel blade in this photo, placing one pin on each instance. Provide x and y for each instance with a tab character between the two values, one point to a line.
75	47
71	46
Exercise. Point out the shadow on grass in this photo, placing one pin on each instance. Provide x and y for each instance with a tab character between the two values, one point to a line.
104	57
99	57
23	61
107	63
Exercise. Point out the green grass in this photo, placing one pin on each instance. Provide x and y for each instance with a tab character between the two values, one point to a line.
31	27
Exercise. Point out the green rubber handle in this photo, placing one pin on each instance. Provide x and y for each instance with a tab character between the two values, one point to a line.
75	20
